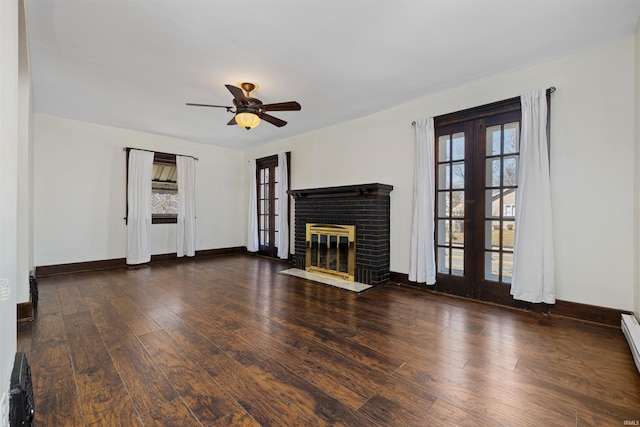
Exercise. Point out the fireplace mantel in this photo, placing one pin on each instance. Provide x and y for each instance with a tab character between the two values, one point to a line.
344	191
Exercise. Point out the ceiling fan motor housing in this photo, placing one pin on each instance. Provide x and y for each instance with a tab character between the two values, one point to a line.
252	105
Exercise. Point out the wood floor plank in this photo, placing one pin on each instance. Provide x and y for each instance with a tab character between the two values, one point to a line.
254	395
334	361
239	418
104	398
48	330
146	384
444	413
243	351
204	396
410	396
594	386
355	351
312	401
52	371
172	414
317	371
135	317
70	299
87	348
386	412
553	394
482	395
184	335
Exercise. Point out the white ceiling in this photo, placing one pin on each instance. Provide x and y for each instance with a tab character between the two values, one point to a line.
134	63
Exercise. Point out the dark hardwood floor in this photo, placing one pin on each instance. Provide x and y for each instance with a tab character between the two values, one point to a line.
227	341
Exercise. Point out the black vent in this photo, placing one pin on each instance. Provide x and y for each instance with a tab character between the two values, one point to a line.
21	407
33	290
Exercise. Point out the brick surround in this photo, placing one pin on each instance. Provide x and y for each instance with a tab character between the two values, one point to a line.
367	206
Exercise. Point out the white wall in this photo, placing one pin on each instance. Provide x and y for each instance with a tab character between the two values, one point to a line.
636	178
8	187
592	163
80	192
25	162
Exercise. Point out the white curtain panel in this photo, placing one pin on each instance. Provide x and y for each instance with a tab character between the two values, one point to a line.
533	265
422	264
186	232
252	226
282	178
139	211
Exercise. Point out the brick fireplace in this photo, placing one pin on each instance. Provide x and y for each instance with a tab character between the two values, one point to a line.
365	206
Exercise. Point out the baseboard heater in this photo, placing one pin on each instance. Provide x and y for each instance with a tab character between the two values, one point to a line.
631	330
21	407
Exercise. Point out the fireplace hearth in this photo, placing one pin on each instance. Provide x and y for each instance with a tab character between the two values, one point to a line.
365	208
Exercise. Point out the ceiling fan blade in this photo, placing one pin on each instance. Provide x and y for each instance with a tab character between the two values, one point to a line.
273	120
237	93
282	106
208	105
232	121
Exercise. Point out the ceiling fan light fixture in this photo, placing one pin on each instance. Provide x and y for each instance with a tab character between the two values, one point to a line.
247	120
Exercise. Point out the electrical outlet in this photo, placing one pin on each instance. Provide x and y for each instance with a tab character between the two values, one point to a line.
4	410
4	289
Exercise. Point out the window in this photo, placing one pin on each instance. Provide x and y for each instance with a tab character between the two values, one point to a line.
164	189
510	210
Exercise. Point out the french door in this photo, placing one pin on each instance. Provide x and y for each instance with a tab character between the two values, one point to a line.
477	153
267	200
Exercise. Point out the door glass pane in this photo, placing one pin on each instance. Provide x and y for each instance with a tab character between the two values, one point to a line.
457	203
507	266
443	232
511	138
443	204
457	152
493	172
458	175
508	234
443	260
492	235
492	266
493	140
443	177
444	154
492	203
457	262
509	202
510	170
457	232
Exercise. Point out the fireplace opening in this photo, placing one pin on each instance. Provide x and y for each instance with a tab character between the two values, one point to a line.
331	250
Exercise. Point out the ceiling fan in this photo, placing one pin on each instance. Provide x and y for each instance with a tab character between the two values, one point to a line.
249	111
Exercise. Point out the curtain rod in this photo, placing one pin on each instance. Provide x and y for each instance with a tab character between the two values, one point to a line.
151	151
550	90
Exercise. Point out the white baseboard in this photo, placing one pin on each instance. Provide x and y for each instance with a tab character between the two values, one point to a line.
631	330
